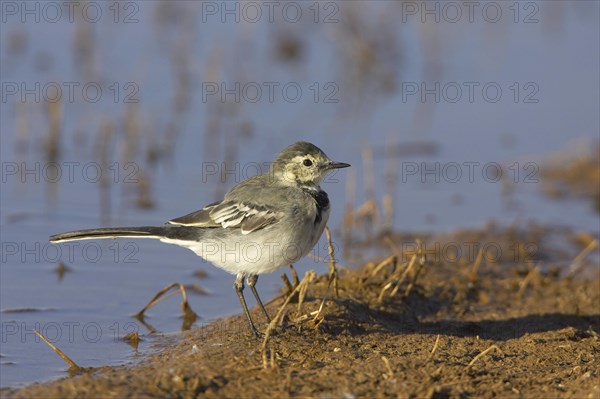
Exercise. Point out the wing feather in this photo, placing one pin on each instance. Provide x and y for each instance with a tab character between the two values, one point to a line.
230	214
199	218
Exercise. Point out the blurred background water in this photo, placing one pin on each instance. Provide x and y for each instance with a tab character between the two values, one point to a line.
133	113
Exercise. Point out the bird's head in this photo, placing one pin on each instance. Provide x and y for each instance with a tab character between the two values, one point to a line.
303	163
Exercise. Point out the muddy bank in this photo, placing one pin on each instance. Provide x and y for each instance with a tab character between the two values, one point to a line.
399	326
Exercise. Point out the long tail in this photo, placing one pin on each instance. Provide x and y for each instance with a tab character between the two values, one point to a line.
177	232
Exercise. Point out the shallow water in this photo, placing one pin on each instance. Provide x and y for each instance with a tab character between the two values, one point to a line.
169	60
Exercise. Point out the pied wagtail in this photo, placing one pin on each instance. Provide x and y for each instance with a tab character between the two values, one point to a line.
263	223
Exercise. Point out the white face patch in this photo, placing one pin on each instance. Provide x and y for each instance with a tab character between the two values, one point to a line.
303	168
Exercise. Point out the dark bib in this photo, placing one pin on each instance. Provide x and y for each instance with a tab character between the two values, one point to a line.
321	201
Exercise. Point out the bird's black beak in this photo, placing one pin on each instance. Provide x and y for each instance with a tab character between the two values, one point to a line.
337	165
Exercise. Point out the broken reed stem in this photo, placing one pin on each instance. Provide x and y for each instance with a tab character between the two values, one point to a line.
413	260
272	359
301	295
475	267
392	259
367	214
527	279
287	283
435	346
333	274
308	278
103	151
22	127
290	286
320	307
369	172
390	178
579	258
349	211
306	316
157	298
485	352
388	211
395	249
72	365
390	281
55	113
323	301
387	366
410	285
295	278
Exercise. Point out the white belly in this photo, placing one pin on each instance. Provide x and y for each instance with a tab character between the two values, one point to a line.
263	251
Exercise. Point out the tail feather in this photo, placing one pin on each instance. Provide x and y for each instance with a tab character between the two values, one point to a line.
111	232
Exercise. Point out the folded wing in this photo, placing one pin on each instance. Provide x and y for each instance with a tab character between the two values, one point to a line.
231	214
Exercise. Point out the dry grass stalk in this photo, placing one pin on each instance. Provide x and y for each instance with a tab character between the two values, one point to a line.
392	259
273	364
391	180
419	251
367	214
388	367
103	153
318	313
196	289
527	279
369	267
349	212
295	279
61	269
54	121
369	172
388	211
578	260
287	283
144	186
485	352
301	295
422	258
290	286
73	367
188	314
132	339
396	249
306	316
475	268
333	273
413	280
22	127
308	278
395	281
132	127
435	346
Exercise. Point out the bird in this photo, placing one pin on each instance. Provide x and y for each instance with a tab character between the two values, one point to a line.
263	223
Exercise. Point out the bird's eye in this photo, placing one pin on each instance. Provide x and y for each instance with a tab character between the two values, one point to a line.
307	162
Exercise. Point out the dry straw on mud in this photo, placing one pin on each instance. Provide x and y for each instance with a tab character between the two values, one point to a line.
308	278
73	367
189	316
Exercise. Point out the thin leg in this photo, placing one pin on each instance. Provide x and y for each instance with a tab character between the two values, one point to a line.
239	288
252	279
